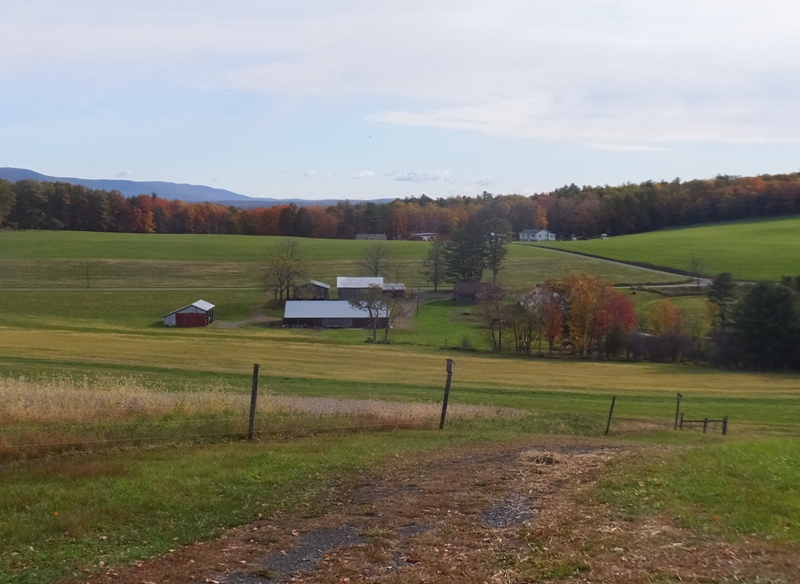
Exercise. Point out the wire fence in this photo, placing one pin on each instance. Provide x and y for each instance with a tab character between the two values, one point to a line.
49	416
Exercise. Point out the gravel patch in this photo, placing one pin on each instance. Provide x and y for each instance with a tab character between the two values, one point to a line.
310	551
514	511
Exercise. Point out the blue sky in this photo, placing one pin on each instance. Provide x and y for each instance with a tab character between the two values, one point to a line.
358	99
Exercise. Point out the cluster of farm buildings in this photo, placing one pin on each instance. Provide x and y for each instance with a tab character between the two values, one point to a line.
314	307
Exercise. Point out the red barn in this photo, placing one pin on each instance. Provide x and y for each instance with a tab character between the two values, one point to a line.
200	313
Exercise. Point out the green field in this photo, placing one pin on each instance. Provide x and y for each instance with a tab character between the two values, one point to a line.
59	515
763	249
44	259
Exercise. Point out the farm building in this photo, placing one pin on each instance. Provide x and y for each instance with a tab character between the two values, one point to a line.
371	236
200	313
424	236
394	289
536	235
328	314
350	288
469	291
313	290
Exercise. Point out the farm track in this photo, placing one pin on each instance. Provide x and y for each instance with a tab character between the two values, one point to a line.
515	513
702	283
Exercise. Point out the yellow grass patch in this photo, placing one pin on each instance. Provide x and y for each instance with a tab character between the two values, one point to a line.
81	400
385	364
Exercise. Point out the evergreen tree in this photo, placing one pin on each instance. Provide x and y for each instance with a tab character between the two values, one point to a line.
433	266
767	324
465	254
722	293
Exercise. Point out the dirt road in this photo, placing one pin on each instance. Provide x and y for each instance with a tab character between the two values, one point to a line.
496	513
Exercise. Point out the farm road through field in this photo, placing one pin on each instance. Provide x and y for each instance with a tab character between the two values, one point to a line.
491	513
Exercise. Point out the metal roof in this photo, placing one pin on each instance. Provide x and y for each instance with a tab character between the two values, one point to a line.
324	309
320	284
201	304
534	231
393	286
346	282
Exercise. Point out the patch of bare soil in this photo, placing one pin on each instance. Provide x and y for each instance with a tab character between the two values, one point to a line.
495	514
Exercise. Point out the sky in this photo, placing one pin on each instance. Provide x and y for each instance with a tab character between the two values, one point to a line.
362	99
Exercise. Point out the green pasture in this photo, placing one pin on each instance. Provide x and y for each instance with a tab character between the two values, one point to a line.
739	489
764	249
77	510
68	259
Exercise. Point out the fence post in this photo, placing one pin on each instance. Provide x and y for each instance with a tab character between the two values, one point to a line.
253	402
677	409
725	426
681	425
610	413
451	366
705	425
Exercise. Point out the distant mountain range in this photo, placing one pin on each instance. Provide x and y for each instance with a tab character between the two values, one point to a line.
166	190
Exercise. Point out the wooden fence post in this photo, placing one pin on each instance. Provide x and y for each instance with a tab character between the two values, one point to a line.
725	426
451	366
705	425
677	409
253	402
610	413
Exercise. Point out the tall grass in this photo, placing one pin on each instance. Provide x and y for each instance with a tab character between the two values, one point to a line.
59	413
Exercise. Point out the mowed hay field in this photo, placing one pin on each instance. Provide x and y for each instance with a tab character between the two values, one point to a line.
45	259
292	365
750	250
54	324
158	413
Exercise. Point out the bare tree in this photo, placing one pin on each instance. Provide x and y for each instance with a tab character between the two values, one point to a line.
394	310
434	266
284	267
525	317
493	312
695	269
376	260
373	302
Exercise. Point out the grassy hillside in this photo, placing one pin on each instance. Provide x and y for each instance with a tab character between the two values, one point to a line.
750	250
114	260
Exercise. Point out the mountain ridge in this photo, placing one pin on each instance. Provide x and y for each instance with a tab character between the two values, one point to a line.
167	190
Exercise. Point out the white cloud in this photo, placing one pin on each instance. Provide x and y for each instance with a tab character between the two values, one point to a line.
363	174
124	174
420	176
309	174
484	181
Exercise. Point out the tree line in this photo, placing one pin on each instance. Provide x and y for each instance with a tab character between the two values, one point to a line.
753	326
571	210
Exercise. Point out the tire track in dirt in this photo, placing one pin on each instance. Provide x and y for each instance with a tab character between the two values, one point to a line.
485	513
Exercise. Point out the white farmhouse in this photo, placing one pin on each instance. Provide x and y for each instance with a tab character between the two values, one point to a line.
536	235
